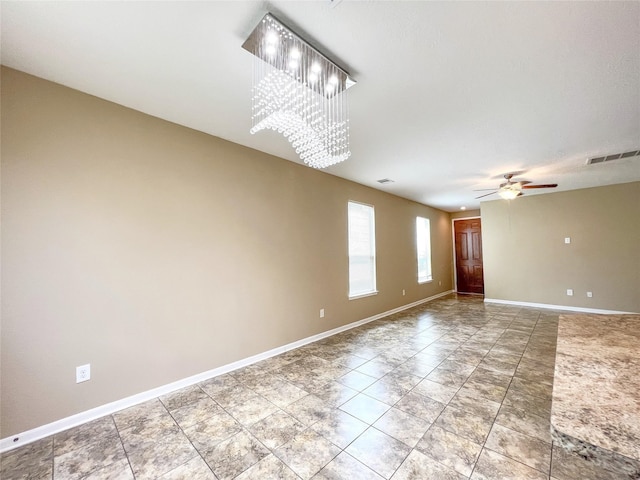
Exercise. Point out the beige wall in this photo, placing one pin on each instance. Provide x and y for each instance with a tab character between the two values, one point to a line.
526	259
155	252
465	214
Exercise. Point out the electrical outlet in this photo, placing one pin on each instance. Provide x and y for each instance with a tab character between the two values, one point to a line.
569	292
83	373
440	283
403	292
322	313
567	240
590	294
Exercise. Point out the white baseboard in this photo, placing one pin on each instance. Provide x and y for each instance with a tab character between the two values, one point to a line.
43	431
556	307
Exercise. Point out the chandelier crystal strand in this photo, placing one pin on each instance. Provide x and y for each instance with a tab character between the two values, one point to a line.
299	93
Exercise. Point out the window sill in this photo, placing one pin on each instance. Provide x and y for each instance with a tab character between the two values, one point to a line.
362	295
428	280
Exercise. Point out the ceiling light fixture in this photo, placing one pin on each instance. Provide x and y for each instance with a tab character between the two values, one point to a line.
300	93
510	191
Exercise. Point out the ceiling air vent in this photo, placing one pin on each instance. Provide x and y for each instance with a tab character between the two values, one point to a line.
385	180
615	156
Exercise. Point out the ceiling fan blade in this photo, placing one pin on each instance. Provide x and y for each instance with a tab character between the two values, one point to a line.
486	195
545	185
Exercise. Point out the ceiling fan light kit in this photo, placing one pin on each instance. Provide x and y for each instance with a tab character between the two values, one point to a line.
300	93
509	193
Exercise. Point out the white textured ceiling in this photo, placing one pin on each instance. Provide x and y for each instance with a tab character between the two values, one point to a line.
450	95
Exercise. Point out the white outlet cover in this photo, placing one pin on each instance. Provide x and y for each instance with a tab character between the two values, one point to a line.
322	313
567	239
569	292
590	294
83	373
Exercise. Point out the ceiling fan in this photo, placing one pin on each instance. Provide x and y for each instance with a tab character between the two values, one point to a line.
510	190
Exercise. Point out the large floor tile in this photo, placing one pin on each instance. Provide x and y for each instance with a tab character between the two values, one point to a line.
309	410
34	460
208	433
493	466
334	393
522	448
465	424
194	469
180	398
193	413
252	411
84	435
119	470
525	422
340	428
420	406
357	380
276	429
344	466
96	456
489	391
533	405
436	391
234	455
307	453
386	390
418	466
379	451
269	467
365	408
141	413
474	404
449	378
283	393
402	426
450	449
155	457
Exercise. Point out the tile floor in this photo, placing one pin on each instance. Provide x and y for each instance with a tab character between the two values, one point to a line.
452	389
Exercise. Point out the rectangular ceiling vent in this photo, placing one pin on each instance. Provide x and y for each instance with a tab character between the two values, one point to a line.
615	156
385	180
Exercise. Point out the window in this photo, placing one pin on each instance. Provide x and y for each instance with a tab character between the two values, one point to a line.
423	247
362	250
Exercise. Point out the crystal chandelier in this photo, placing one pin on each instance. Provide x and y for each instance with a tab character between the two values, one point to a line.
300	93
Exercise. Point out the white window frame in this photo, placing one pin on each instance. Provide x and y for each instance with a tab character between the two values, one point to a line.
423	250
355	292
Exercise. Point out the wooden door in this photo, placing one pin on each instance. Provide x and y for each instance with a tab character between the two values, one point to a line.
468	243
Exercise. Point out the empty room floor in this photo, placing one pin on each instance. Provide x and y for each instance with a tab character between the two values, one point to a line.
451	389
